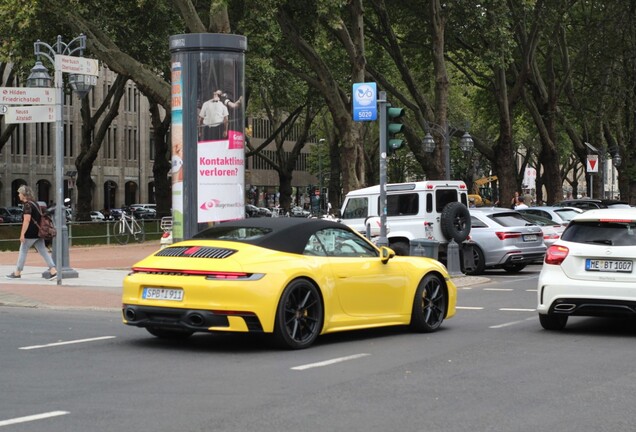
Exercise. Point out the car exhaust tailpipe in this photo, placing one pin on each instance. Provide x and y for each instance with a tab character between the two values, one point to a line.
196	320
130	314
564	307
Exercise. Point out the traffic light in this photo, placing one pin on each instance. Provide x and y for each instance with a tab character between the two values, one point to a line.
393	127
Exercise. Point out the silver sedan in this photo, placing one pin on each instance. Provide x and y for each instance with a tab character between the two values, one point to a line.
502	238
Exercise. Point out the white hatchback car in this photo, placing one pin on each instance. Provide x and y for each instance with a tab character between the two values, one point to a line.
590	270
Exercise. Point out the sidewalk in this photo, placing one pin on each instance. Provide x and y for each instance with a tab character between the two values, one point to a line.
101	270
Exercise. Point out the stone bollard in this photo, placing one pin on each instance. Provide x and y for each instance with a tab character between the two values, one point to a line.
452	259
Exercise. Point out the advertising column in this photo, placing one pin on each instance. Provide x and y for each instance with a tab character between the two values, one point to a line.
208	130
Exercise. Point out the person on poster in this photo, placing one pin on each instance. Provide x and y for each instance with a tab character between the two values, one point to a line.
226	100
213	119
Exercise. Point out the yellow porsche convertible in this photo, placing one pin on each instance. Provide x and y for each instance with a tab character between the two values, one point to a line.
294	278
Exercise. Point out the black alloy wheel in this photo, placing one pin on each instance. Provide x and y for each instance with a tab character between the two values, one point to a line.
299	315
429	305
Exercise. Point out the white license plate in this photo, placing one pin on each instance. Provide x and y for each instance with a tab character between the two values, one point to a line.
608	265
162	294
529	237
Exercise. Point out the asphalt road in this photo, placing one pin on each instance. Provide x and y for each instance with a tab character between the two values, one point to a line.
490	368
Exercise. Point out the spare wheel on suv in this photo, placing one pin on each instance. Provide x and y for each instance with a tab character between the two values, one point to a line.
455	222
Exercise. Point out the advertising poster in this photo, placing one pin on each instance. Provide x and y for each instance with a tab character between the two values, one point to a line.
221	139
177	151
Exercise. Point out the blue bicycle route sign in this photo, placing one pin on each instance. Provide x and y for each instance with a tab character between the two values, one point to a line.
365	102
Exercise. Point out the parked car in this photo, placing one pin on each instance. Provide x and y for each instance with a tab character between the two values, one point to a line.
299	212
10	215
590	270
97	216
275	276
503	239
143	211
114	214
551	230
264	212
561	215
590	203
251	211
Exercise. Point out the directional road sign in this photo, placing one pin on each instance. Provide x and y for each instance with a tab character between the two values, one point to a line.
30	114
77	65
27	96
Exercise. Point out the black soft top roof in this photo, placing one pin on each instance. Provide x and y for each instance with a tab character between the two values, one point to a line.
282	234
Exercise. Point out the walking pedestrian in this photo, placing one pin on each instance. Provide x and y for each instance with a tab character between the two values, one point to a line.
515	201
29	234
520	203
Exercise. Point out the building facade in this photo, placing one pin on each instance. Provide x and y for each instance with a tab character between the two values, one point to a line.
122	172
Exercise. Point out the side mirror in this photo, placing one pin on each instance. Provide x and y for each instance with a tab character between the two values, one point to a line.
386	254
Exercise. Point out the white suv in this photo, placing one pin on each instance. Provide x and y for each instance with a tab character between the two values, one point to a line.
432	210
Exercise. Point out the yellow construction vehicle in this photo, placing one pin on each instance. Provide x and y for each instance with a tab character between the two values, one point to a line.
484	191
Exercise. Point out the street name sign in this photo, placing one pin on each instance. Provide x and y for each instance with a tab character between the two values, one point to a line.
77	65
30	114
27	96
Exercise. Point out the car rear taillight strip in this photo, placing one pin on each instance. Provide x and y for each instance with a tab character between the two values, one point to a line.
502	235
556	254
207	273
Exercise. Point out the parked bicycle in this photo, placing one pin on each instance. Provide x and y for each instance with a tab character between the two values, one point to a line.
128	226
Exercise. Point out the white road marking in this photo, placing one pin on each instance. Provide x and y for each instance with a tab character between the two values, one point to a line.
508	324
33	418
469	307
532	290
329	362
498	289
67	342
516	310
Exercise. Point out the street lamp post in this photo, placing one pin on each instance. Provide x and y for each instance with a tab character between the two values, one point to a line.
81	84
465	143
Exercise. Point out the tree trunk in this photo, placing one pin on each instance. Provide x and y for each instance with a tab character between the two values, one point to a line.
92	142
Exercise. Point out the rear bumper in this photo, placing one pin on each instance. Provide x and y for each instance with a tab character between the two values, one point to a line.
592	307
522	258
558	294
191	319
